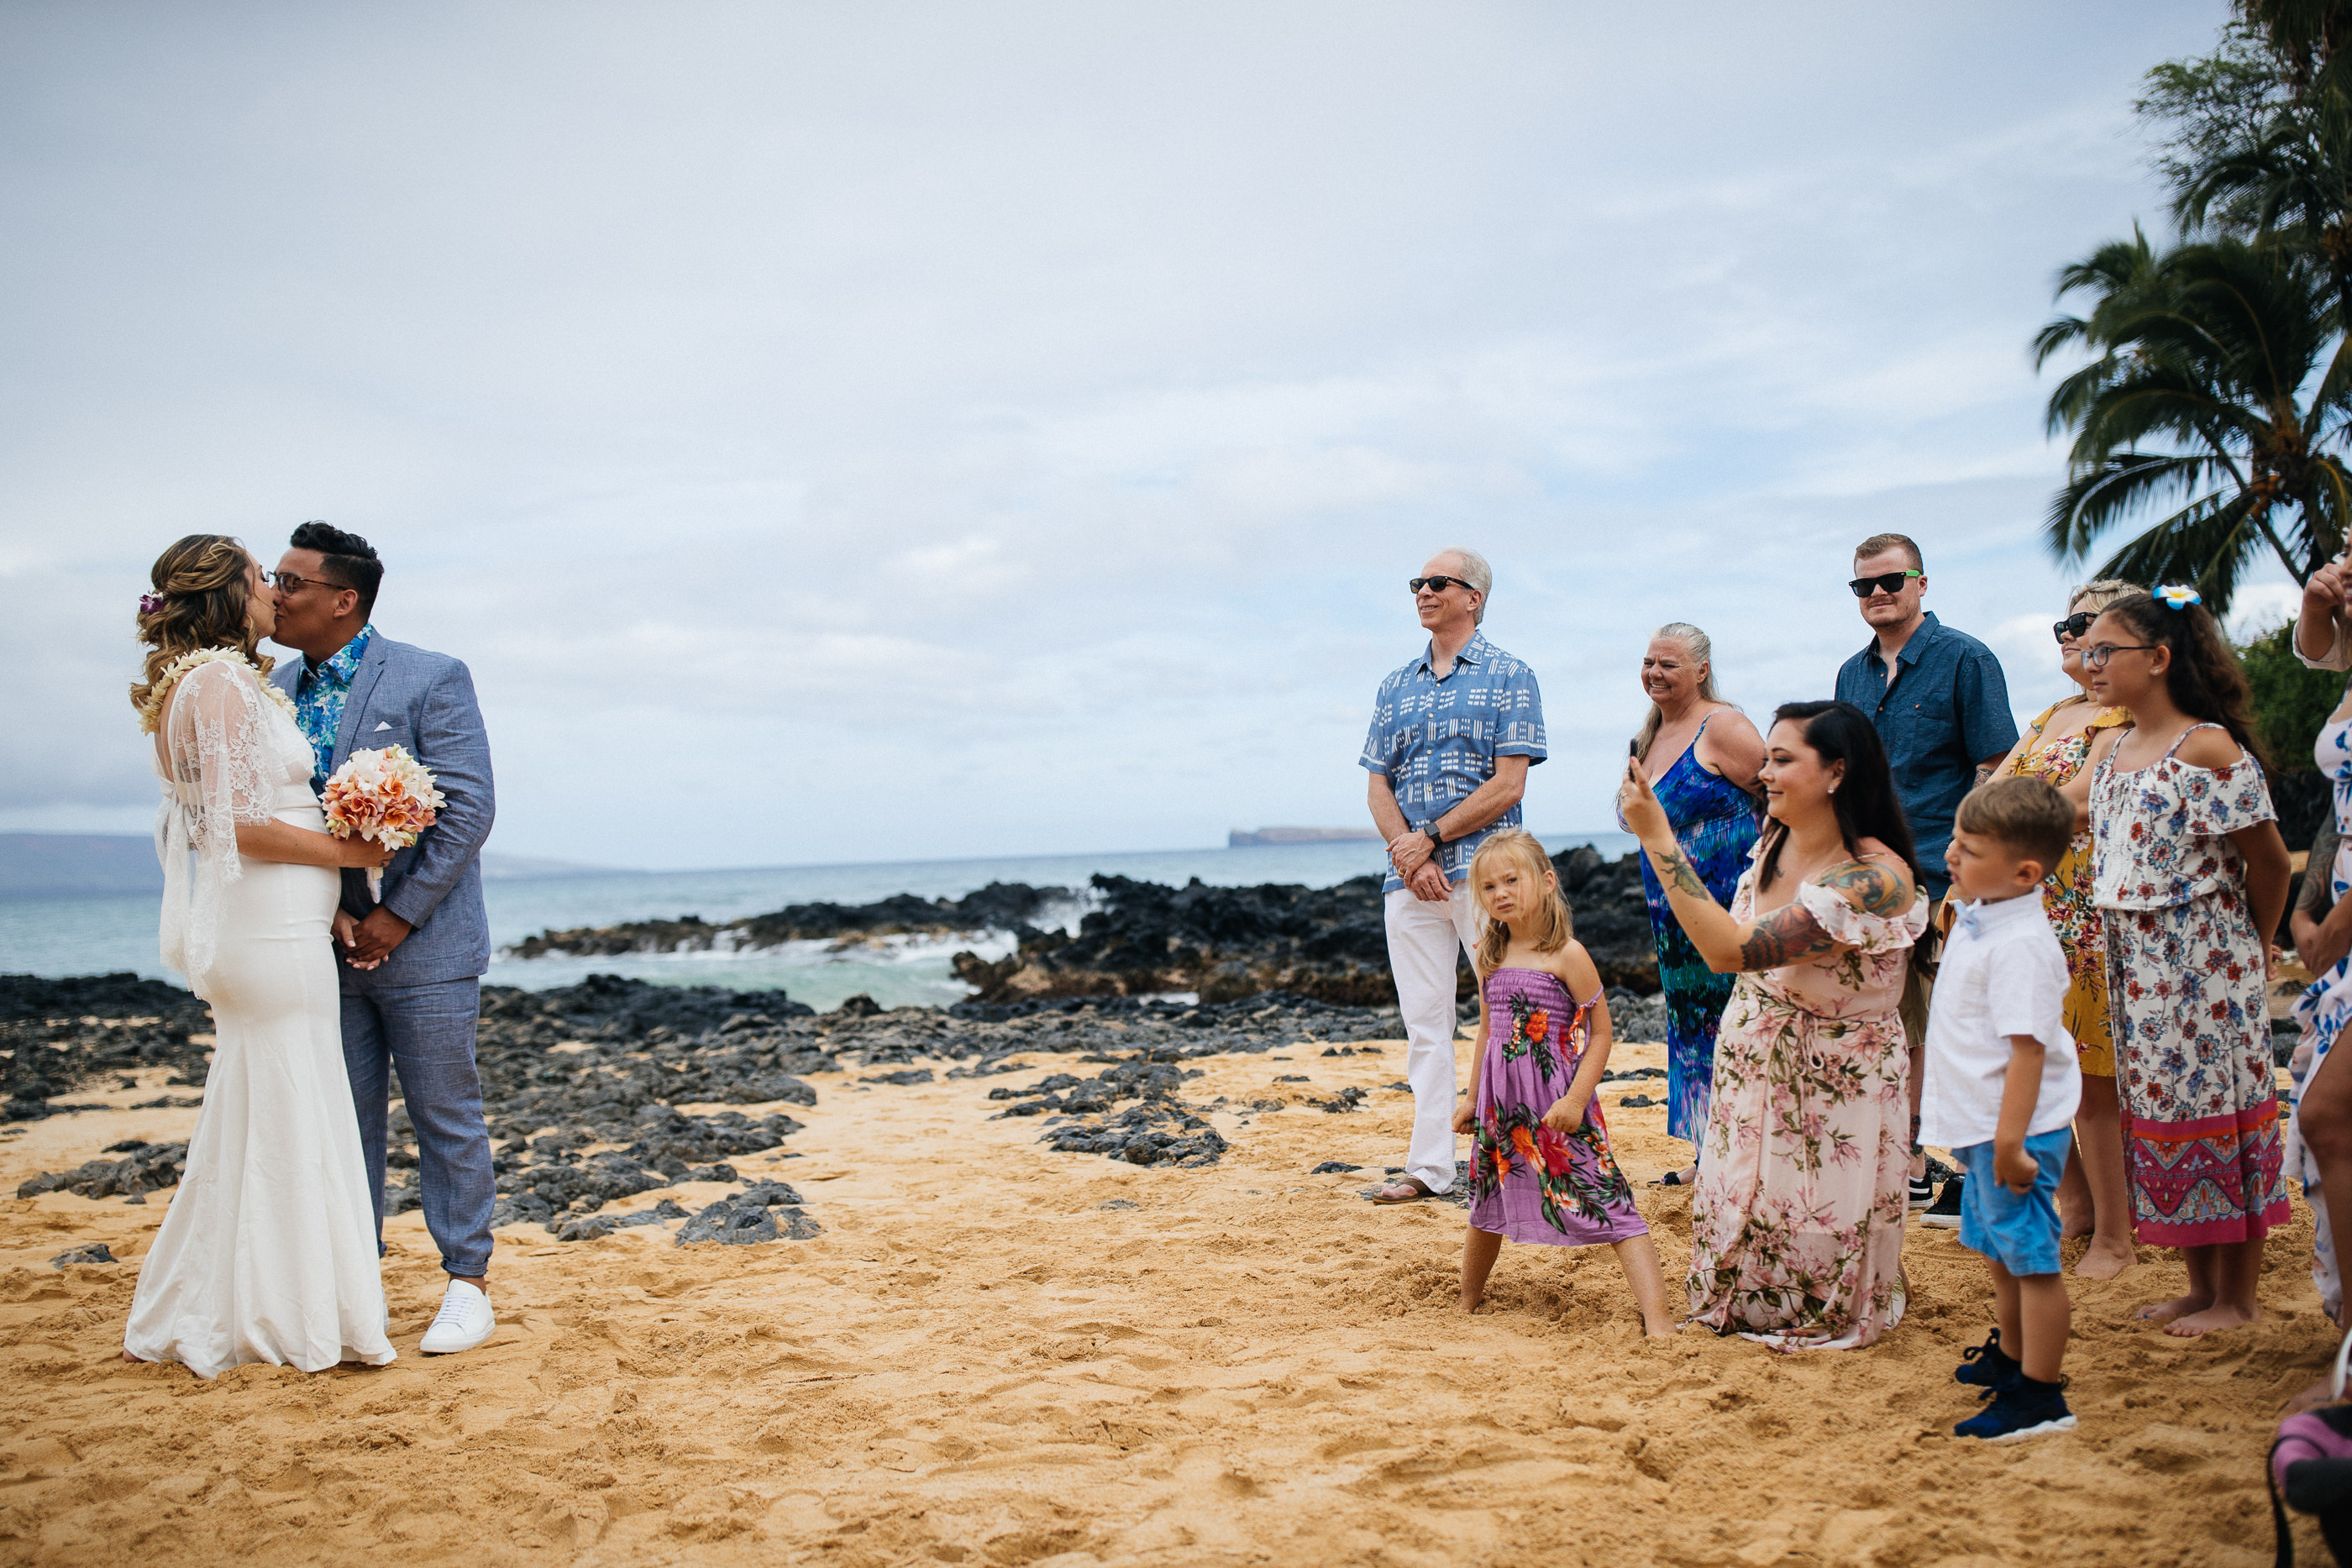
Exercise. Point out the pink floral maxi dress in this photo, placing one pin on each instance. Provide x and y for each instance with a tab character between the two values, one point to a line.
2187	999
1796	1222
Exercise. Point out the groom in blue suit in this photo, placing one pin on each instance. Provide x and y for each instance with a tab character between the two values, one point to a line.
412	964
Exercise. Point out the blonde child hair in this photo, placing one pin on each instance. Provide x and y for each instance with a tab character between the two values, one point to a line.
1550	928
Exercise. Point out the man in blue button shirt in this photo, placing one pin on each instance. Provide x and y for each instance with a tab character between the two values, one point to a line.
1941	705
1453	734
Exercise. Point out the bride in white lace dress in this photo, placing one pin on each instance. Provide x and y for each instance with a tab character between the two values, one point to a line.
268	1252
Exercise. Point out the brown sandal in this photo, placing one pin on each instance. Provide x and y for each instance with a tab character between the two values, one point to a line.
1419	1190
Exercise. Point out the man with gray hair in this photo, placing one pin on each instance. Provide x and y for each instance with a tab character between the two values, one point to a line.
1453	734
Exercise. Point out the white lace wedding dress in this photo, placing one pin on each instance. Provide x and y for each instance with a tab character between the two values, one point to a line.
268	1252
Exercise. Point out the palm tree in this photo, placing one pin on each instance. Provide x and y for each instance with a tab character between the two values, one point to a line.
2197	397
2289	183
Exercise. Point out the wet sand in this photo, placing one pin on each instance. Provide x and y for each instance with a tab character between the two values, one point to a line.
995	1355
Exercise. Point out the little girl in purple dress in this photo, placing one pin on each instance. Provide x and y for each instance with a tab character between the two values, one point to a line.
1541	1170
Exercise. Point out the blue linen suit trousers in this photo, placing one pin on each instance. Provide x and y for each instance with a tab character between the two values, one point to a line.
426	1033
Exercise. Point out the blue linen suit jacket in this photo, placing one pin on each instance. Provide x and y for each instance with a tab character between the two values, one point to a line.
423	702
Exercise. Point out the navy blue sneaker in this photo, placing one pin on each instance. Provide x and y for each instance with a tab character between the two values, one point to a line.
2023	1409
1987	1366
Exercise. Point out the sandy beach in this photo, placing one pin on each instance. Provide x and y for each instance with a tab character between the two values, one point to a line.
997	1354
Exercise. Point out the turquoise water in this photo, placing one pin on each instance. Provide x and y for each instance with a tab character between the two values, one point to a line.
95	935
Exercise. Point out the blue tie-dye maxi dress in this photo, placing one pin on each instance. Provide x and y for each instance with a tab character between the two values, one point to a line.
1714	821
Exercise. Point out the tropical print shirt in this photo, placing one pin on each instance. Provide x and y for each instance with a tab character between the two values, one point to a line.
318	697
1435	740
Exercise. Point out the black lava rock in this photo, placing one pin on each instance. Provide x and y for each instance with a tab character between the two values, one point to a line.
999	906
96	1252
88	1032
594	1226
745	1219
145	1168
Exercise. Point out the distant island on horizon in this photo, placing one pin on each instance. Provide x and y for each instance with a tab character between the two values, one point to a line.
1244	838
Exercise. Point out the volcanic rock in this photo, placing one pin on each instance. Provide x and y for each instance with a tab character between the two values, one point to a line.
744	1219
1329	943
999	906
59	1037
145	1168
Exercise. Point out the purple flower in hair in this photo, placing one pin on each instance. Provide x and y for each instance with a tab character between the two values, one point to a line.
150	602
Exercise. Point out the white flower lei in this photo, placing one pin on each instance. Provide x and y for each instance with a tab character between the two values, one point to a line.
150	711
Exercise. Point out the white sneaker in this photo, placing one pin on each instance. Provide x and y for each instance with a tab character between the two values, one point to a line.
464	1320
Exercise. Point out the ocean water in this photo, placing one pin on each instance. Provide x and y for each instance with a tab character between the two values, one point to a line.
111	931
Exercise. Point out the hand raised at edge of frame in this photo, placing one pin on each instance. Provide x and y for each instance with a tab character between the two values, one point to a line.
2323	594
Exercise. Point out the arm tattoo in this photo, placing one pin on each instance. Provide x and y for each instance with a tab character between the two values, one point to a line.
1871	888
1783	937
1674	868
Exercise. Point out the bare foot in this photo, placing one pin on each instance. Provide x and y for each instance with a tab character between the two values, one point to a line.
134	1359
2104	1261
2318	1394
2072	1230
2221	1315
1470	1304
1655	1331
2179	1307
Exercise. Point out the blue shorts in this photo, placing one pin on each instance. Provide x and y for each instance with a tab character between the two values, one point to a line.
2017	1230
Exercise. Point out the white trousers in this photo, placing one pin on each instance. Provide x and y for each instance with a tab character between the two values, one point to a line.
1423	940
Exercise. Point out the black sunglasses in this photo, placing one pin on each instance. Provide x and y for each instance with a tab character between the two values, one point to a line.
1885	582
1440	584
2074	625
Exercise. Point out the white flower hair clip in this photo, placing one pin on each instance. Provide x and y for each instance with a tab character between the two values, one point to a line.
2179	596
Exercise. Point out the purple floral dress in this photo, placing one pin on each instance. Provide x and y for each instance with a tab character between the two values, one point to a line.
1528	1182
2188	999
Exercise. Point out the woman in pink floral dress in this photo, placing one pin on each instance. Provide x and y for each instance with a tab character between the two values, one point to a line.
1797	1220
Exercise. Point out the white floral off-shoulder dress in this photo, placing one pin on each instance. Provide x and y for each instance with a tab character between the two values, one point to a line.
2187	999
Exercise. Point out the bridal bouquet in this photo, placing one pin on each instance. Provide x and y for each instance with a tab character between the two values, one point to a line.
386	796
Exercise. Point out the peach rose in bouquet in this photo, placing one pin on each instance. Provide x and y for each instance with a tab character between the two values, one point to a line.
385	796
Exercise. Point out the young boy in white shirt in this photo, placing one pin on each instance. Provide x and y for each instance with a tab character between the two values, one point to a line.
2001	1092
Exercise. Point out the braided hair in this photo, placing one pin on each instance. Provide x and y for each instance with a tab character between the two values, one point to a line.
202	600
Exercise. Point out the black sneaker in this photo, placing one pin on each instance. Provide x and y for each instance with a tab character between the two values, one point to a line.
2023	1409
1923	1187
1987	1366
1945	1214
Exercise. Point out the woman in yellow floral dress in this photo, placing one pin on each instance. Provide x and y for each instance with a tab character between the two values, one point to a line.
2095	1197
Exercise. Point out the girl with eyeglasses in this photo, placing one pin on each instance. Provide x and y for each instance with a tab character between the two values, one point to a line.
2191	878
2095	1196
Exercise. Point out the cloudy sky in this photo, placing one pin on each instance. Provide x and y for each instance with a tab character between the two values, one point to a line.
847	433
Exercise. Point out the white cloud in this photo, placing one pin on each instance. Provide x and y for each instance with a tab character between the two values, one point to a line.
830	433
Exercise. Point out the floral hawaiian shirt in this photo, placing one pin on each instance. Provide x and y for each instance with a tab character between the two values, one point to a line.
320	695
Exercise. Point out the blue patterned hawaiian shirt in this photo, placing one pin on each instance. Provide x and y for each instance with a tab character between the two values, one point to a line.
1435	741
318	697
